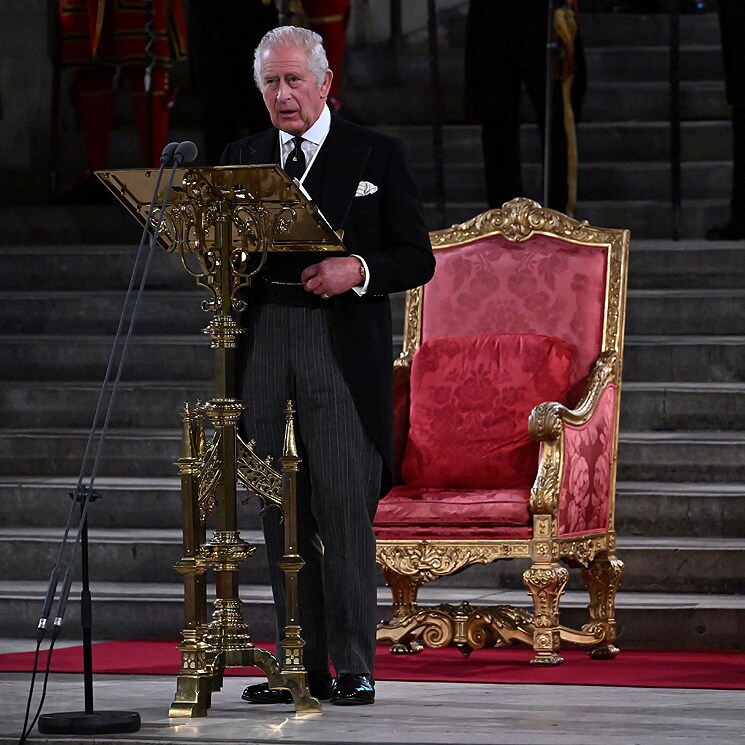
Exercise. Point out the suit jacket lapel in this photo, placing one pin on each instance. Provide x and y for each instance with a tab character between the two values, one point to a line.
345	163
264	149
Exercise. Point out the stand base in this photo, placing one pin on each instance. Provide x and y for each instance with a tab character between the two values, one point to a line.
95	723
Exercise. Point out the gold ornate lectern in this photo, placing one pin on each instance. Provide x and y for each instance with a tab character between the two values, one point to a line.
223	222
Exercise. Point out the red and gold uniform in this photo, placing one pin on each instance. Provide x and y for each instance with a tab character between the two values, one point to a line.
141	37
329	19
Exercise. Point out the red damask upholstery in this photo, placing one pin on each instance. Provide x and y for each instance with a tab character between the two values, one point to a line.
557	288
411	512
471	397
585	490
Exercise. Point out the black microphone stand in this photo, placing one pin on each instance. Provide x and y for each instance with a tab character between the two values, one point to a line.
89	721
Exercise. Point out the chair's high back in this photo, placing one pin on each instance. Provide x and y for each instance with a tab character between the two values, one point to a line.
504	275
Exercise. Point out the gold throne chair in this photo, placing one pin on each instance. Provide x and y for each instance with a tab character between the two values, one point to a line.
506	416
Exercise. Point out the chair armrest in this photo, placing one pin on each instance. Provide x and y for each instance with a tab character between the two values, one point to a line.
577	456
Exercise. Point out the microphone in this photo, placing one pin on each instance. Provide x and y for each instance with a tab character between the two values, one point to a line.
166	157
185	152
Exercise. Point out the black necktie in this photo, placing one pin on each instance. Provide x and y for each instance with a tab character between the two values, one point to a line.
295	163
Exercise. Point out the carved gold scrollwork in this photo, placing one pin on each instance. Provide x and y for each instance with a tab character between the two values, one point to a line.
498	626
462	626
518	220
544	494
208	477
582	551
431	560
412	326
546	584
258	476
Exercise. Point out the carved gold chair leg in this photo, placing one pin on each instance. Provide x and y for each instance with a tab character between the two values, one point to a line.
404	590
546	583
602	578
407	623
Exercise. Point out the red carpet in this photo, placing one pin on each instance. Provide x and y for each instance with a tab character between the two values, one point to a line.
646	669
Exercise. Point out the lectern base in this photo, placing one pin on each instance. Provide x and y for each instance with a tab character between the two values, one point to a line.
96	723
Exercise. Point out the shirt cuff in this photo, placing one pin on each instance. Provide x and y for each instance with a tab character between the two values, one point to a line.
362	289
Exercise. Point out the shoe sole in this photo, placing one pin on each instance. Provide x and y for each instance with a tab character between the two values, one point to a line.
347	702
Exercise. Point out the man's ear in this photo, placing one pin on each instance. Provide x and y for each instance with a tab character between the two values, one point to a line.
326	85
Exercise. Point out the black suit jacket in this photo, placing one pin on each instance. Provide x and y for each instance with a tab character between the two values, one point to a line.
387	228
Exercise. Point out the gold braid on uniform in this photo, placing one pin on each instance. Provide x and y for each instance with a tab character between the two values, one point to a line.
565	26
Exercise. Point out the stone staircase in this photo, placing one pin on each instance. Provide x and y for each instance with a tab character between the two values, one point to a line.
623	137
680	511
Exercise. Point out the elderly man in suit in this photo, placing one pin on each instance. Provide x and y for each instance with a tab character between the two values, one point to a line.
319	332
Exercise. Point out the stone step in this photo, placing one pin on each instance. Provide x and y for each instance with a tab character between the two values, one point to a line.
687	509
59	267
31	224
143	404
703	509
115	554
97	312
595	181
648	219
652	564
659	264
56	358
682	456
638	141
643	455
684	358
124	502
687	311
155	610
646	100
602	23
654	264
668	311
682	406
138	404
379	66
696	62
59	452
628	141
603	27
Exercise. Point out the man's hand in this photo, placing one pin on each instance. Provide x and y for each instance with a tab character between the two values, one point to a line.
332	276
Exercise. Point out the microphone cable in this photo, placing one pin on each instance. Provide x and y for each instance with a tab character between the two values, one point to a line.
174	154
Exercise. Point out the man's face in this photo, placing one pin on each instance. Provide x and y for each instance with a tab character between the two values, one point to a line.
291	94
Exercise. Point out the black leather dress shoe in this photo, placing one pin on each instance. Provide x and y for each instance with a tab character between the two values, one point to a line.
319	685
730	231
353	690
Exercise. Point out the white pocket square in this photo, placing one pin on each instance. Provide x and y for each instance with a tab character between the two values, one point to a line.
364	188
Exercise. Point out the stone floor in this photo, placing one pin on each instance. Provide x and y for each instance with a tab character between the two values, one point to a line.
431	713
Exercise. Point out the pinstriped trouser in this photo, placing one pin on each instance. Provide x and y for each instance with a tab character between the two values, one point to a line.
290	356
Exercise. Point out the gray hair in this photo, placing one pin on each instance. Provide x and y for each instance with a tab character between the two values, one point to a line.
308	40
